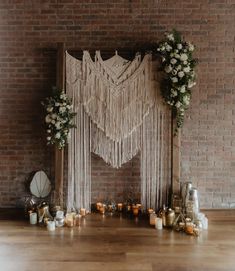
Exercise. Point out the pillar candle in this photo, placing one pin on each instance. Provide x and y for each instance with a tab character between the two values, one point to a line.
33	218
77	220
83	212
51	225
69	220
158	223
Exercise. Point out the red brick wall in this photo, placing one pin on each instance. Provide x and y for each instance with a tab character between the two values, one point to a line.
30	28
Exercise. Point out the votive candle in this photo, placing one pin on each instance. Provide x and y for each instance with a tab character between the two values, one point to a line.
51	225
33	218
120	205
158	223
135	210
83	212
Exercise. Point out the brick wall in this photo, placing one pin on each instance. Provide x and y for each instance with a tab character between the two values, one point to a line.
29	29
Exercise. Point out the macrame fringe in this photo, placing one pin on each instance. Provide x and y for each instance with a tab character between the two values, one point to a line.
119	114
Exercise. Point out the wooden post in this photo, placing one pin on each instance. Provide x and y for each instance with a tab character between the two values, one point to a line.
59	154
175	156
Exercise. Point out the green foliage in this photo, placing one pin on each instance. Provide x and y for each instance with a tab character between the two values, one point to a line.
59	118
178	64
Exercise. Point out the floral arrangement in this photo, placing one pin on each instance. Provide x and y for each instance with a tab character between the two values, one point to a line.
178	65
59	118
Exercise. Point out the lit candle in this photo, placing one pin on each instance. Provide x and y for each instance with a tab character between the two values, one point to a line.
120	205
135	210
158	223
33	218
83	212
177	209
51	225
77	220
150	211
152	218
102	208
98	205
189	227
69	220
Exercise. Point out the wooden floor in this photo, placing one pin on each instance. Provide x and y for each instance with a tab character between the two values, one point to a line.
117	243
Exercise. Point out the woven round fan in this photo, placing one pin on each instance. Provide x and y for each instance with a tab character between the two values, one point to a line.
40	185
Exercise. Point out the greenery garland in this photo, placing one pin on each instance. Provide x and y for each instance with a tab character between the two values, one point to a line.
178	65
59	118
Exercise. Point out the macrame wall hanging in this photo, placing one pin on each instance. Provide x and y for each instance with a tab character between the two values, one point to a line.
119	113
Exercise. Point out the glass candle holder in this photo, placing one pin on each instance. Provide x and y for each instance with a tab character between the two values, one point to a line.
120	206
135	210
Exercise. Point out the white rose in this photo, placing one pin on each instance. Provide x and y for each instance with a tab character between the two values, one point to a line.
186	100
179	46
174	79
57	125
186	69
179	67
183	57
177	56
168	48
174	93
170	37
47	119
181	74
48	131
48	138
191	47
57	135
191	84
49	109
174	72
53	121
182	89
53	116
168	69
62	109
178	104
173	61
185	62
163	59
176	51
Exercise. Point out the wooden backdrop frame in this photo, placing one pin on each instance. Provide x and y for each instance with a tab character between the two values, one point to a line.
59	154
